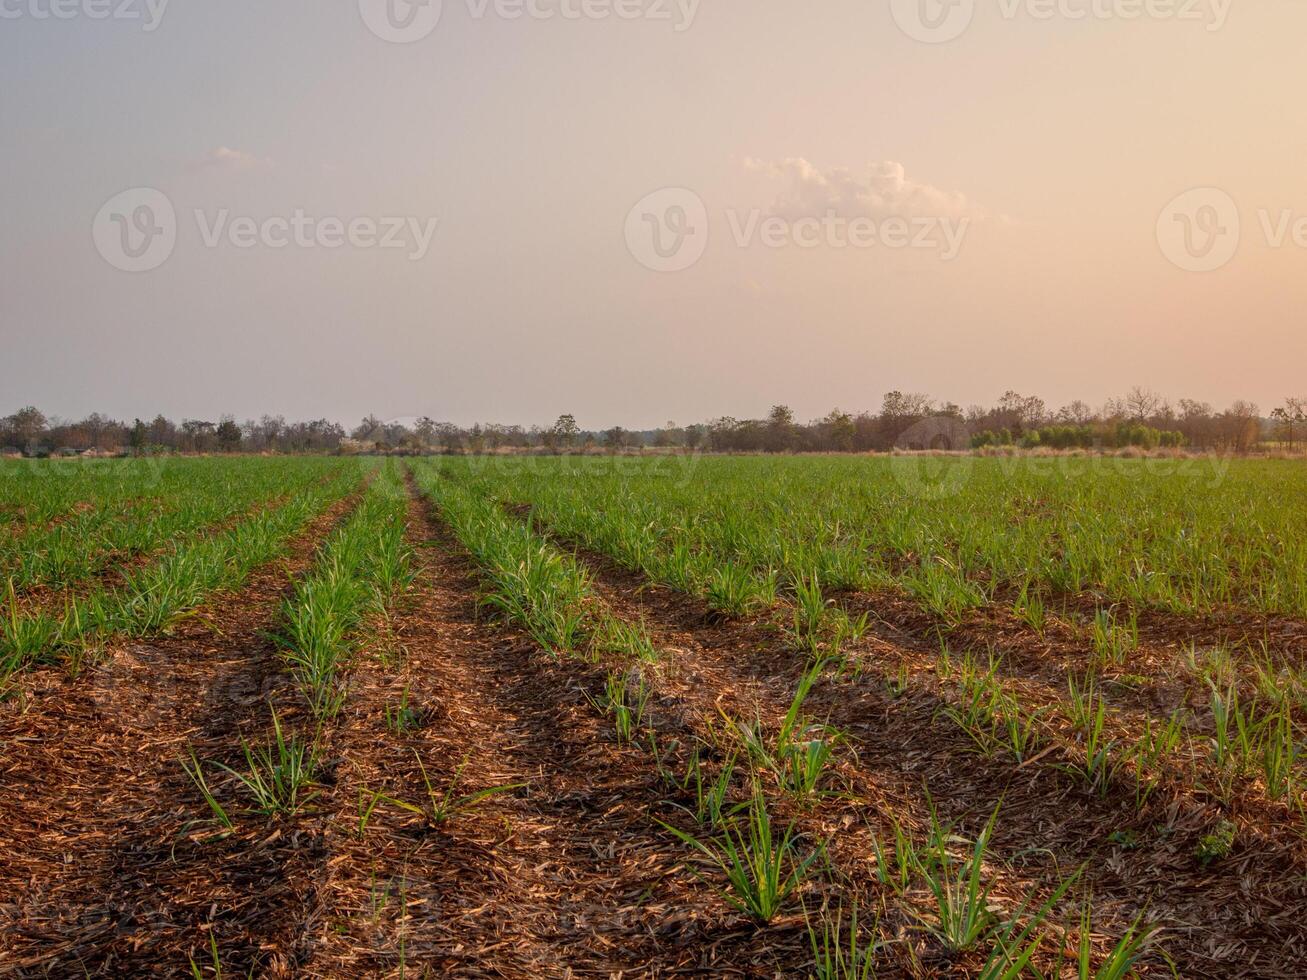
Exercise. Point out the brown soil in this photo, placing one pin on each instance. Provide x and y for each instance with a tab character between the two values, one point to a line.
1152	683
102	869
567	875
1146	691
1248	909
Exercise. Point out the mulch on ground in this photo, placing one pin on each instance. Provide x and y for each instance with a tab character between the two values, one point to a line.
569	874
1249	910
102	868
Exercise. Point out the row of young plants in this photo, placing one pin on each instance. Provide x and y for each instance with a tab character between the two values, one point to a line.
738	572
360	572
1260	756
1253	749
1246	669
343	603
155	596
1250	744
36	492
759	863
1191	537
1259	747
185	499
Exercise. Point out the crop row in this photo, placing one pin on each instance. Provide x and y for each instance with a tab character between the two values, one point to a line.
184	500
358	572
153	597
760	862
1190	538
35	492
1254	743
1251	745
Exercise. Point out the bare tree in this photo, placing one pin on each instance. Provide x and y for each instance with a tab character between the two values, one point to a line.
1075	413
1241	426
1142	404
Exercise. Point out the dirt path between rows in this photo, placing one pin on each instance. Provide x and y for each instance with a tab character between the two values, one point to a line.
1039	671
567	876
1153	681
97	876
1250	910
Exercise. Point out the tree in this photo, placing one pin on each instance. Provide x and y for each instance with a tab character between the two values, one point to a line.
780	429
228	434
839	430
426	431
1142	404
1019	412
101	431
565	430
267	432
616	438
1241	426
1292	414
197	434
669	435
1075	413
1197	423
370	429
139	438
26	426
449	436
721	434
898	409
163	432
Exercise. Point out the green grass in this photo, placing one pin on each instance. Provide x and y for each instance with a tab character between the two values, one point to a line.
153	598
131	508
763	870
436	806
361	568
1186	536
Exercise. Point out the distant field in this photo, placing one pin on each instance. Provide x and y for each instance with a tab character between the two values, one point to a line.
1186	535
679	715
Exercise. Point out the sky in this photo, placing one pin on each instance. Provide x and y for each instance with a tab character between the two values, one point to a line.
646	210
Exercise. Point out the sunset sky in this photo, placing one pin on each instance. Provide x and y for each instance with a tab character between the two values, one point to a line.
1056	142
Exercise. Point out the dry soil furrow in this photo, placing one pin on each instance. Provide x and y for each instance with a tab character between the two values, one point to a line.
97	874
1136	705
1152	682
568	875
1245	911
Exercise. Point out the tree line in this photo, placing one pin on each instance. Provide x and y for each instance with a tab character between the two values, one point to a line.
1140	418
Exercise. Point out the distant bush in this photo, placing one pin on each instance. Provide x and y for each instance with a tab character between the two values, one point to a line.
1120	435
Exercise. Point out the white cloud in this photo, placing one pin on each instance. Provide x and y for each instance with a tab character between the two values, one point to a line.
883	191
226	158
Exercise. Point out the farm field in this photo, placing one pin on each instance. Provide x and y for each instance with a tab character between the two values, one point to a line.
836	717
